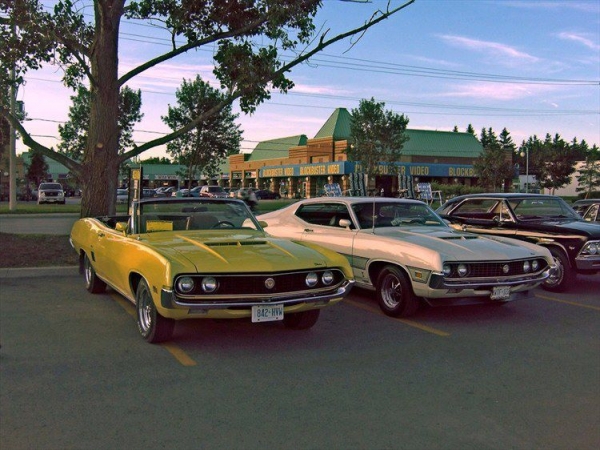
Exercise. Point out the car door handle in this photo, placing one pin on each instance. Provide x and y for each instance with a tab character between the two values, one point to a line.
308	230
100	234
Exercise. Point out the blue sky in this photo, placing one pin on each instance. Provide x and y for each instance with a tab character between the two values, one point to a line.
532	67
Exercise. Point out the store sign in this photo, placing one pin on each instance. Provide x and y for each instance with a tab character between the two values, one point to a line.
346	167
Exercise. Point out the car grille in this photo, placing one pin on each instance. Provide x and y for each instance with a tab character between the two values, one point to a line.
497	269
258	285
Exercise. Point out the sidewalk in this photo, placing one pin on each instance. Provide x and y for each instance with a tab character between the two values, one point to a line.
30	272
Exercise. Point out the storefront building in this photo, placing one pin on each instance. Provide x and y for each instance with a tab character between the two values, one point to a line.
297	166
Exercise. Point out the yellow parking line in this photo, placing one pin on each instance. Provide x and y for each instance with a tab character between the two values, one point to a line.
582	305
177	352
410	323
179	355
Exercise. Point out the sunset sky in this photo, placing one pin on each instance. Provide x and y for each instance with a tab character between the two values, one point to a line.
532	67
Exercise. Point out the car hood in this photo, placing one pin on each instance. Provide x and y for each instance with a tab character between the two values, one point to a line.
457	245
590	229
236	252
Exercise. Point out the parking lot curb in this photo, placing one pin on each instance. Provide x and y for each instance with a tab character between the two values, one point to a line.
31	272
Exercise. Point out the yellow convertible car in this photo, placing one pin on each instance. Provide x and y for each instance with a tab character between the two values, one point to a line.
190	258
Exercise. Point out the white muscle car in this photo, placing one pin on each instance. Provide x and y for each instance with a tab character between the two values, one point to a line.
405	252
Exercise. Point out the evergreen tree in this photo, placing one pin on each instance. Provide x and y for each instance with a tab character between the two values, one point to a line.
558	165
494	167
37	170
471	130
588	176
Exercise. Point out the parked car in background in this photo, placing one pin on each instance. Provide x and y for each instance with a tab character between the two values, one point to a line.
212	191
202	258
592	213
406	253
122	196
545	220
184	192
195	191
50	193
581	206
147	192
265	194
165	191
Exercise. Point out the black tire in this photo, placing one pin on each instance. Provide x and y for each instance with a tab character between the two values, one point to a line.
92	283
565	275
301	320
394	293
152	326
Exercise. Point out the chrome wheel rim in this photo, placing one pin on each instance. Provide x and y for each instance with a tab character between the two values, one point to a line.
144	310
88	272
391	292
557	277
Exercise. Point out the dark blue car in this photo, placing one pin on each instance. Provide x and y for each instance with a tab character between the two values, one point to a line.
545	220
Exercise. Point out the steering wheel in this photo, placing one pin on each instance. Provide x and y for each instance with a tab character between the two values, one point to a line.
220	224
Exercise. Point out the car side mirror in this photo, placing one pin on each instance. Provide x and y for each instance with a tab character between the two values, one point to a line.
263	224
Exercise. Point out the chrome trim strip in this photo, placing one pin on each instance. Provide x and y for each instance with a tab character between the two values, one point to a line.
168	300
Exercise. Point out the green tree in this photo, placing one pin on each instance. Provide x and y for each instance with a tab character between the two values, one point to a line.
494	167
246	39
558	165
377	136
202	149
37	169
471	130
588	177
74	133
156	160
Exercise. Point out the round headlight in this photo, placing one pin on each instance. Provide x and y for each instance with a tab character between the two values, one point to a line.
463	270
593	249
535	265
526	266
185	284
447	269
209	284
312	279
327	277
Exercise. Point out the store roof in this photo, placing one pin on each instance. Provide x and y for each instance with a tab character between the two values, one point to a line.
421	142
276	148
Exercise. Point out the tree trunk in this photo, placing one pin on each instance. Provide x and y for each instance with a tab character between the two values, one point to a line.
100	168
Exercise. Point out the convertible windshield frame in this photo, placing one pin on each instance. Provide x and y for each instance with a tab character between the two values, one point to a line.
191	214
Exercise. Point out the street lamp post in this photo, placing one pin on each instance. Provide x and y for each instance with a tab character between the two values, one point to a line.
526	169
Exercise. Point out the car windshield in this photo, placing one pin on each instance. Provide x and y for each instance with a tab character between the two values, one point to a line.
56	186
543	208
178	215
395	214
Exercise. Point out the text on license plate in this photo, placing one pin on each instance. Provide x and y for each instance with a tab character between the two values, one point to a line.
267	313
500	293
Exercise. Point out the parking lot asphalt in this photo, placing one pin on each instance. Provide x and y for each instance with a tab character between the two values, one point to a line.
77	375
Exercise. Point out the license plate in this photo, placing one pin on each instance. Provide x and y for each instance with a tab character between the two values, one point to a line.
500	293
267	313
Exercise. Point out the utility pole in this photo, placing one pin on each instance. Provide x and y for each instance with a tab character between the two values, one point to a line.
12	162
